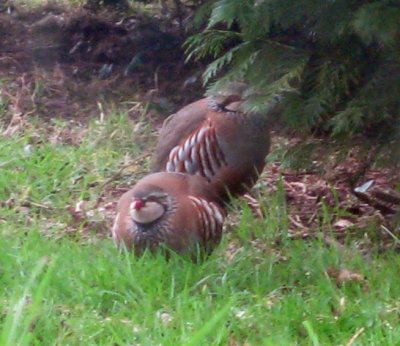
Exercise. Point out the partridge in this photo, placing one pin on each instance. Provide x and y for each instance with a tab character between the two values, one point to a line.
215	139
169	210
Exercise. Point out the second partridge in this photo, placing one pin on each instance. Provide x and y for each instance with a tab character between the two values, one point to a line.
215	139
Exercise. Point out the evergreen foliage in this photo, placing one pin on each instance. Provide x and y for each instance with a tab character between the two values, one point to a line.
333	65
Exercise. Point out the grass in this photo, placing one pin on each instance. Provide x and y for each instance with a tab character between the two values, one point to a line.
60	288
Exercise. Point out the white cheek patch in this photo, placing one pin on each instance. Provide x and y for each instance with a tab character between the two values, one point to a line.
149	213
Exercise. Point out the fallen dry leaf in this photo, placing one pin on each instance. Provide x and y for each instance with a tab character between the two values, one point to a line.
345	275
338	310
343	224
232	249
165	317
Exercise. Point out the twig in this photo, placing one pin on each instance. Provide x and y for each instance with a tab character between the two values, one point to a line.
179	14
297	223
332	242
396	239
381	206
3	164
254	206
43	206
355	336
16	50
387	195
313	216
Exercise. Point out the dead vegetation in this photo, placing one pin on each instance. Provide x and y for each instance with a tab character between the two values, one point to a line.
334	202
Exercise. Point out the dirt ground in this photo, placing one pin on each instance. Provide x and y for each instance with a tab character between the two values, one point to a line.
55	60
59	63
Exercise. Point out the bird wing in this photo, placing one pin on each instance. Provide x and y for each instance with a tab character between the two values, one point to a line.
176	128
198	154
211	217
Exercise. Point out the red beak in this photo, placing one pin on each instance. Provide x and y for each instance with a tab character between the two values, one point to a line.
138	204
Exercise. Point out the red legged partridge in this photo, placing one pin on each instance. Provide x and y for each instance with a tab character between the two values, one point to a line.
214	139
172	210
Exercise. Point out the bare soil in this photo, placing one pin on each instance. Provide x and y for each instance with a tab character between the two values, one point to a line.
58	62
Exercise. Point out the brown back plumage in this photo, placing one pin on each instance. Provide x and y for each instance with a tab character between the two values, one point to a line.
214	139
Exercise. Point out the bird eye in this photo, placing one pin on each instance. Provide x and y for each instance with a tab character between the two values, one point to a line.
156	196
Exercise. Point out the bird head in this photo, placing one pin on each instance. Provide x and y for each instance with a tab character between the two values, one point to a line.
145	209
